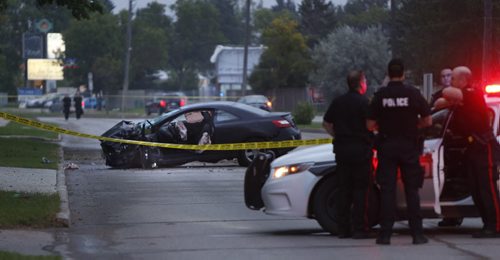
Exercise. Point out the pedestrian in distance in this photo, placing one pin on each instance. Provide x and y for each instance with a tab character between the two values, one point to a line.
66	106
471	121
78	105
345	120
397	112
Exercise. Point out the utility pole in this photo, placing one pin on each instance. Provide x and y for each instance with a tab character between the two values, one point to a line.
487	42
128	50
245	52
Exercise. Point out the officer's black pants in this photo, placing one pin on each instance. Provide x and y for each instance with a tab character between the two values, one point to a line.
482	175
352	191
402	153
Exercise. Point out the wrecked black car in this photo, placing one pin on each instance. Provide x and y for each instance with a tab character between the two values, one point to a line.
203	123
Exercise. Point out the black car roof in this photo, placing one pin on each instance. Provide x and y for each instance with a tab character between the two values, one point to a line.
223	104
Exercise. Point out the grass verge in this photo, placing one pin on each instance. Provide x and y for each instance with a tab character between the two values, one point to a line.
16	256
28	153
34	210
313	125
13	128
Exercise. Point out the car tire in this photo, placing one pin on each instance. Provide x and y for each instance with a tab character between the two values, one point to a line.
324	205
245	157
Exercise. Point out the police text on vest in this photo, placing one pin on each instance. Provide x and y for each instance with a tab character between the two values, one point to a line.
395	102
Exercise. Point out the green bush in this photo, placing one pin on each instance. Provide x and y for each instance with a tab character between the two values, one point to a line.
303	113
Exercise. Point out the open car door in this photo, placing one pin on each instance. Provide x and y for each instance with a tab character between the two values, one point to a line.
432	158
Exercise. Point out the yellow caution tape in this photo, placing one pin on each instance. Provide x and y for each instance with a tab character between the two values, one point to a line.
211	147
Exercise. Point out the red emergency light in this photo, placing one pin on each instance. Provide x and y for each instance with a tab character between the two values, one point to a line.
492	89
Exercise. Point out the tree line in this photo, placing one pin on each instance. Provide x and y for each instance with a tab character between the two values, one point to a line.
312	42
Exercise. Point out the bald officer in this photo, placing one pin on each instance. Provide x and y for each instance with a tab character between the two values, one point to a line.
471	120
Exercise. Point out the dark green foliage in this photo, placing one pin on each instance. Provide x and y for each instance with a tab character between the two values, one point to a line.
79	9
432	35
317	19
286	62
303	114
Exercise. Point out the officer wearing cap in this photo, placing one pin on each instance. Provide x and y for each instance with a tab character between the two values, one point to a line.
345	119
398	111
472	121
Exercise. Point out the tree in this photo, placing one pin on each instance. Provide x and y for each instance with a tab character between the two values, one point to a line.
282	5
79	9
197	32
362	14
152	31
432	35
286	61
95	43
230	21
346	49
317	19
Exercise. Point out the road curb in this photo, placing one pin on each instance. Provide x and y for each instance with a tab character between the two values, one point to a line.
63	216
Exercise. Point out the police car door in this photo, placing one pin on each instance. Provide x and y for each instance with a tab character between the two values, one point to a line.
432	160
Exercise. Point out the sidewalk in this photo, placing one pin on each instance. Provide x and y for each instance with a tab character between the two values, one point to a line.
28	180
32	241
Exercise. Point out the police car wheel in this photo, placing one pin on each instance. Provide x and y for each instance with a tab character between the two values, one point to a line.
324	206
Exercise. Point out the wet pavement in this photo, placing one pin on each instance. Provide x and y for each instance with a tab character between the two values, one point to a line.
197	211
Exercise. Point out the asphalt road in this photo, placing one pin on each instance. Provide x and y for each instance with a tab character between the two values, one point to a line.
196	211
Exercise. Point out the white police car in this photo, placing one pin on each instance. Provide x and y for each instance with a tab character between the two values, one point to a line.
300	183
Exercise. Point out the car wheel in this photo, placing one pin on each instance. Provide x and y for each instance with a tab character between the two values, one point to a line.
324	205
245	157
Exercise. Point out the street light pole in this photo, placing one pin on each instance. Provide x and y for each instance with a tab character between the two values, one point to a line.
128	46
245	52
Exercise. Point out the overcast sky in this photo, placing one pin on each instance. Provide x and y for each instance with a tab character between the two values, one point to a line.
123	4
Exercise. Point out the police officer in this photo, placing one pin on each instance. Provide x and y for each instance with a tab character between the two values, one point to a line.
77	99
66	106
445	83
398	110
345	119
471	120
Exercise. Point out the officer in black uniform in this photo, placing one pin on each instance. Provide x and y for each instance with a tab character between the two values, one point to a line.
345	119
398	110
472	121
66	106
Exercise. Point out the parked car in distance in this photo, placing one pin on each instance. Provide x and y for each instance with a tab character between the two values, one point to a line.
93	103
258	101
170	100
40	102
223	122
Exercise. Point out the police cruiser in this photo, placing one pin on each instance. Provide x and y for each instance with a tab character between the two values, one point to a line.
301	183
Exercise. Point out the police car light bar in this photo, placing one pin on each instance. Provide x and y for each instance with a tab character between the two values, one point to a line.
492	89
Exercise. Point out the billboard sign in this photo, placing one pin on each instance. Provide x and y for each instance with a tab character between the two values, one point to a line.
32	45
45	69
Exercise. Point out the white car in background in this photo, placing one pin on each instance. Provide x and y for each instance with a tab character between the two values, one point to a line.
299	184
